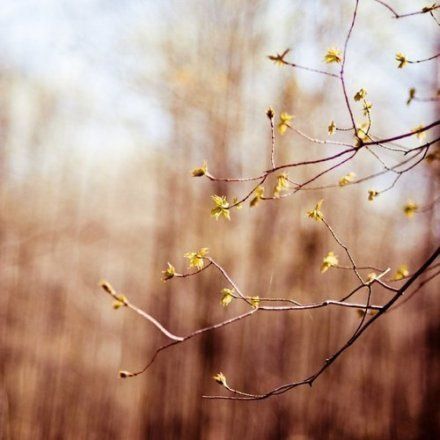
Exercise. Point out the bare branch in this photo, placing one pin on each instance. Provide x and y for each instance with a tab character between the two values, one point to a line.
409	14
329	361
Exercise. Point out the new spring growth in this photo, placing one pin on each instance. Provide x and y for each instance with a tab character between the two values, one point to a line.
333	55
401	59
270	113
361	133
401	273
221	207
201	171
107	287
282	185
361	313
411	95
367	108
316	213
410	208
330	260
372	194
420	135
284	122
120	300
196	259
258	195
220	378
361	94
227	296
430	8
331	128
371	277
348	178
255	302
168	273
278	59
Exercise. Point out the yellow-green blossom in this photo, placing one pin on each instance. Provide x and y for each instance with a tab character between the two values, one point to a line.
411	95
227	296
221	208
348	178
120	301
168	273
331	128
201	171
220	378
410	208
255	301
401	60
372	194
333	55
420	135
196	259
361	94
401	273
367	108
282	185
330	260
316	213
284	123
258	194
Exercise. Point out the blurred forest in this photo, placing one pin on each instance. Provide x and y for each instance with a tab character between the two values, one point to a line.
95	183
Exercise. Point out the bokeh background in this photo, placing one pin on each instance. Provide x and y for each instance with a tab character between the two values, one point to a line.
105	107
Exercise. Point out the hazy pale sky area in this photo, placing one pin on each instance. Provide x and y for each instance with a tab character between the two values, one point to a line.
90	54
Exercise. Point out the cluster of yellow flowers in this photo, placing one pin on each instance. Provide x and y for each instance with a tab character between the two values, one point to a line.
401	60
220	378
284	122
348	178
200	171
258	195
316	213
168	273
120	302
401	273
331	129
330	260
227	296
361	94
420	135
282	185
221	208
372	194
333	55
197	259
410	208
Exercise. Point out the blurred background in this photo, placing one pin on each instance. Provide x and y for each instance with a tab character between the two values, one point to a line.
105	108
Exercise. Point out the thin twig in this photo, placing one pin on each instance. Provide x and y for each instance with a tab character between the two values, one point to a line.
122	299
341	73
409	14
311	69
